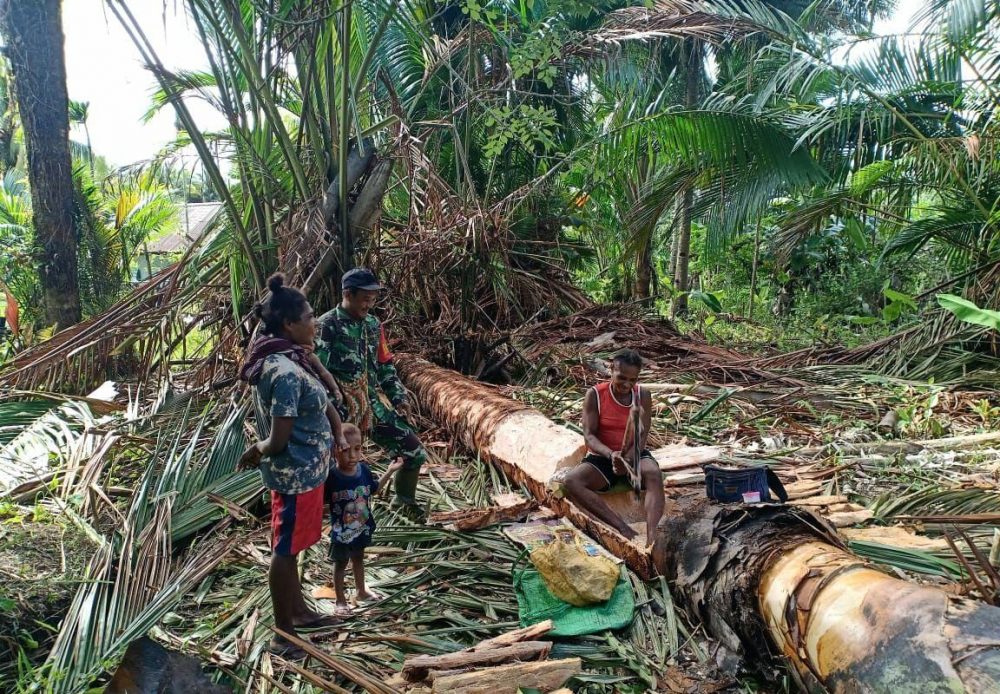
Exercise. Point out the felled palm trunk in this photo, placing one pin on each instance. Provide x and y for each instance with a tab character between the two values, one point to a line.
766	580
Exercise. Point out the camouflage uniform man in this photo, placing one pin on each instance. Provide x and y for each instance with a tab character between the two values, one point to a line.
352	346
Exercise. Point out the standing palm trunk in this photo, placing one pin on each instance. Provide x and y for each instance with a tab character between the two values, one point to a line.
34	37
644	271
693	68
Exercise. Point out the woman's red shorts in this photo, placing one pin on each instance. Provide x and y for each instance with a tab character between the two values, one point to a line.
296	521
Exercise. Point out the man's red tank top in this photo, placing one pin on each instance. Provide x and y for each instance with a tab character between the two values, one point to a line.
613	416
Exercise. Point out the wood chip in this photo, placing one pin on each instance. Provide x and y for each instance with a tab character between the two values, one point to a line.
803	489
507	499
324	593
682	479
842	508
531	633
679	456
844	519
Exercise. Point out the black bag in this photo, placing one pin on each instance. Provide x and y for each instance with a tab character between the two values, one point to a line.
727	485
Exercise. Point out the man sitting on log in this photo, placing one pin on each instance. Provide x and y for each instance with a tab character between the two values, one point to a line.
606	410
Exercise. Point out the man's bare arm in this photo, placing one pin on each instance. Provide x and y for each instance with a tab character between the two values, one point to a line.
591	423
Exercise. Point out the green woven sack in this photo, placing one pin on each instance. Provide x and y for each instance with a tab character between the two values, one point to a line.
536	604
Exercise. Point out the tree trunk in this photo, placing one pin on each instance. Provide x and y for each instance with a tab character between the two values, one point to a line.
643	270
753	271
674	245
692	76
34	36
683	253
362	214
766	580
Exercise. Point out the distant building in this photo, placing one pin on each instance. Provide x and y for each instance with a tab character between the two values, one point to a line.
193	220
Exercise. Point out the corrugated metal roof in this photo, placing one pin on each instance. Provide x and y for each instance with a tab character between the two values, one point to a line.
192	221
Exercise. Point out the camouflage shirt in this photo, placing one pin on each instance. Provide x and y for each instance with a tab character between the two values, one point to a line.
357	354
286	390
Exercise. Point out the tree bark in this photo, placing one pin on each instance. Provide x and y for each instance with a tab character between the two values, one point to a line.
692	76
766	580
753	270
674	245
510	679
683	253
644	270
34	36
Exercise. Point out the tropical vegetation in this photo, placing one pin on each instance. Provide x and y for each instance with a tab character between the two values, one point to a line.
771	176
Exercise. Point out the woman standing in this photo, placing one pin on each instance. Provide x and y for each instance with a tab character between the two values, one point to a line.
295	414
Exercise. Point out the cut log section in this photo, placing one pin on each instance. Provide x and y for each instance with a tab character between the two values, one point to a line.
470	519
532	633
678	456
744	571
545	676
418	667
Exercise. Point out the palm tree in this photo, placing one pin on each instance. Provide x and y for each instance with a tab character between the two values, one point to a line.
34	39
700	34
8	119
116	218
304	105
899	140
79	112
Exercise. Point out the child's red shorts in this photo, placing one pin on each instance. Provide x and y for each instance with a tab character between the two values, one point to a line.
296	521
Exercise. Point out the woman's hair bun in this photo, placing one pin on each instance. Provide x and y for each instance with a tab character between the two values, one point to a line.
275	282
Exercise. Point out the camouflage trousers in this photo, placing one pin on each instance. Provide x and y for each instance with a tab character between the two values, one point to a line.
393	434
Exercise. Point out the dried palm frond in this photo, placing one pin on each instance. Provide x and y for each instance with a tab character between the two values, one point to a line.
134	579
47	440
678	19
136	336
456	261
939	502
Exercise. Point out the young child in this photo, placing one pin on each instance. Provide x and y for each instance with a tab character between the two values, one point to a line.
350	487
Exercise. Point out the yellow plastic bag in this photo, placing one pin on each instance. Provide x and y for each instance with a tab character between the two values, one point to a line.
574	576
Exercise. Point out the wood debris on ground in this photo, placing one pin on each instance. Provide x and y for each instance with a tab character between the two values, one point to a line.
897	496
475	518
501	665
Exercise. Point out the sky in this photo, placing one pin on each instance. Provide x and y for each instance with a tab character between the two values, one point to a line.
103	67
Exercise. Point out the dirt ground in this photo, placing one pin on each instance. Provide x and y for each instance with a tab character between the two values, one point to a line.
41	565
